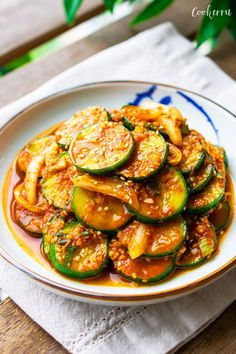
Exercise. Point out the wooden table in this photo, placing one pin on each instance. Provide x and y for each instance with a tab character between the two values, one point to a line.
25	24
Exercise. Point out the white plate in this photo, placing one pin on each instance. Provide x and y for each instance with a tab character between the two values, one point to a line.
217	124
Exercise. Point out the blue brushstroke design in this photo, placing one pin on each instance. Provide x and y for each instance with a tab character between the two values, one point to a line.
142	95
202	110
165	100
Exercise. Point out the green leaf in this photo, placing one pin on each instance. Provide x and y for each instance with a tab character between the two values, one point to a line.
69	255
71	7
110	4
153	9
212	25
232	24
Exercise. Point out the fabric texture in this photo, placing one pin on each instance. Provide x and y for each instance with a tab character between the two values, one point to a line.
160	55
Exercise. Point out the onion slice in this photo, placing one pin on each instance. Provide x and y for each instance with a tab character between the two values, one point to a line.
114	187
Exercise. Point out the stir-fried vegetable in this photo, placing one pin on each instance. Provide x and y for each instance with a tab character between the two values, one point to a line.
200	245
113	186
111	213
162	198
134	185
101	148
148	158
35	148
68	130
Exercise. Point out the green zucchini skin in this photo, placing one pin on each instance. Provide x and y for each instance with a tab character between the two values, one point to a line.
100	166
199	179
220	217
127	124
188	259
187	166
131	170
226	160
208	198
175	249
57	189
140	270
51	228
162	240
81	198
70	272
73	260
67	131
159	187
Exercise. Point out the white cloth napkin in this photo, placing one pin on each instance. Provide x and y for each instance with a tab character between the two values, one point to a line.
162	55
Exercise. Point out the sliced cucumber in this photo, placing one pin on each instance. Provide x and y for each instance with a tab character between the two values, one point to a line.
200	245
199	179
220	216
30	221
162	198
99	211
33	149
79	252
102	148
226	160
50	231
69	129
149	156
208	198
174	155
192	153
57	187
159	241
219	157
139	269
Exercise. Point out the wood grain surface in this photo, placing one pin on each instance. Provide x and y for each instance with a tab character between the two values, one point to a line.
20	335
27	23
21	81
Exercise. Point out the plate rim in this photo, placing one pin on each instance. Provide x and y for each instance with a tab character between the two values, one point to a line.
96	295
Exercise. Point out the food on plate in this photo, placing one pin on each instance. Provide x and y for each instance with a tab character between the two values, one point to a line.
134	189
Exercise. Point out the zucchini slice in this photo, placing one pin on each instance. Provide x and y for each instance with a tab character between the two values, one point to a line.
174	155
73	249
79	252
57	187
69	129
153	240
139	270
99	211
149	156
192	153
162	198
30	221
220	216
33	149
50	231
208	198
219	157
200	245
102	148
199	179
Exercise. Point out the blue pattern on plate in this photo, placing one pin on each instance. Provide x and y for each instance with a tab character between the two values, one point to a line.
202	110
145	94
165	100
168	99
